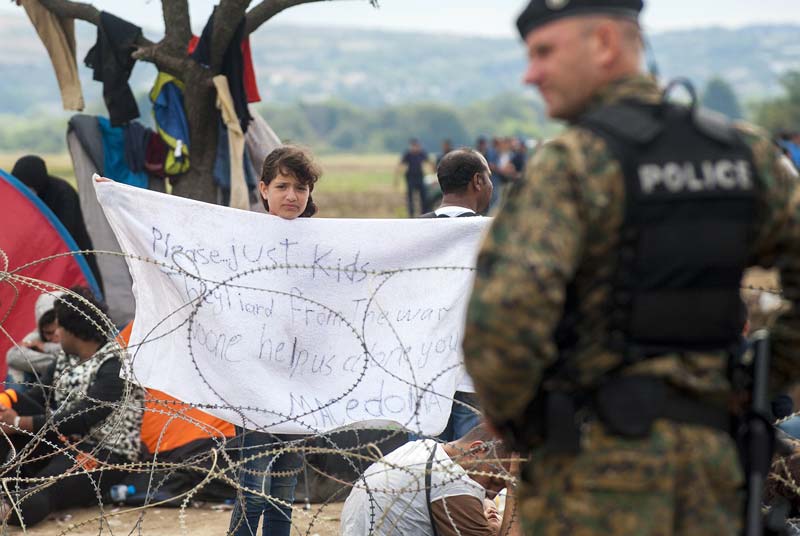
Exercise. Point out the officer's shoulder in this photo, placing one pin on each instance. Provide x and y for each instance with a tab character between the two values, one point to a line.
749	132
756	138
766	153
578	148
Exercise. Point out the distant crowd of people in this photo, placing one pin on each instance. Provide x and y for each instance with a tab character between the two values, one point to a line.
506	157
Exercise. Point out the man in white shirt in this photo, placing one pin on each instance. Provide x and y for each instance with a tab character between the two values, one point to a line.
466	182
465	179
426	488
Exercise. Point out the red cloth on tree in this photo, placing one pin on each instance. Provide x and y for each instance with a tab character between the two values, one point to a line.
249	75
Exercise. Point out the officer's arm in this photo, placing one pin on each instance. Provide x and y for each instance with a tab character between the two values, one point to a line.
778	245
529	255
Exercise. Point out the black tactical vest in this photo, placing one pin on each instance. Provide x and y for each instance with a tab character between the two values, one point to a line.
690	185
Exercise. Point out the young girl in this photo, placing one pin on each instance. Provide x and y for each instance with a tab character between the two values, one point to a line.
287	180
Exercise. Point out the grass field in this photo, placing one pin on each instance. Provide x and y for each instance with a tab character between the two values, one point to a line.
359	186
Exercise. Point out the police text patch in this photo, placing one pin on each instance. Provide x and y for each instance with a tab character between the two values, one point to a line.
675	177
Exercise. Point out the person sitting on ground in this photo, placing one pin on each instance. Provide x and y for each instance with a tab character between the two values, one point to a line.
31	358
62	199
77	426
425	488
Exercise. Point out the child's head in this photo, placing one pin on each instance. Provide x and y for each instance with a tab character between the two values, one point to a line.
288	177
48	327
46	316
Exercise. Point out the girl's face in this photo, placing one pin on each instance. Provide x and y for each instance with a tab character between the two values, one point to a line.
287	197
492	516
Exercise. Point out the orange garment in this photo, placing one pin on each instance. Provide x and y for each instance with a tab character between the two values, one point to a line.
180	423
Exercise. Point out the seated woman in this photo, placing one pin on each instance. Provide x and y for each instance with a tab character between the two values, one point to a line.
37	351
70	432
267	481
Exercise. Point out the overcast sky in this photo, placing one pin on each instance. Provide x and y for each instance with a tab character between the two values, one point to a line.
485	17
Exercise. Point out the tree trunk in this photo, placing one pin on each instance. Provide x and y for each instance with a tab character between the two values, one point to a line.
201	113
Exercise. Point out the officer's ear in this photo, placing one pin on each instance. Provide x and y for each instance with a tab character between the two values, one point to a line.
607	40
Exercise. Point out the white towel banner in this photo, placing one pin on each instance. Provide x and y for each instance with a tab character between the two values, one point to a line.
299	326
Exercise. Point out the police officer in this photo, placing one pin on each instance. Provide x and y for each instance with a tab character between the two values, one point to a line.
606	304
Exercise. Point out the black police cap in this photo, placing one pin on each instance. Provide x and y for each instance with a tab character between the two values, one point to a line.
541	12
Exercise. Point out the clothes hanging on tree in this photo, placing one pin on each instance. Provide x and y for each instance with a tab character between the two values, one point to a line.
232	66
58	36
170	118
249	76
111	60
114	161
261	139
239	196
137	136
155	156
222	169
87	130
85	144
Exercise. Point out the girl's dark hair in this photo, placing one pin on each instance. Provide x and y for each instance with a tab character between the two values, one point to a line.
290	160
46	319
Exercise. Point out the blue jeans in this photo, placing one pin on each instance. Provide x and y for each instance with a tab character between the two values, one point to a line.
462	418
255	475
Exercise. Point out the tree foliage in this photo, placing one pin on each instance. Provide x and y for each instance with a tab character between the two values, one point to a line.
782	113
340	126
719	96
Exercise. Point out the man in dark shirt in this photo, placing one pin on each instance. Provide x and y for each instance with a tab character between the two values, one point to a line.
59	197
414	160
82	417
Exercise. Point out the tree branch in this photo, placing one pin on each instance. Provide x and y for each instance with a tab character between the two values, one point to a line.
165	59
269	8
178	28
226	18
73	10
86	12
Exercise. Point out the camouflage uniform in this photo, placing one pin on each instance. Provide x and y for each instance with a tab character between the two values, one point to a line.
560	225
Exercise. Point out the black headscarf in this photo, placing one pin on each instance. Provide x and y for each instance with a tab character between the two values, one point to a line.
32	171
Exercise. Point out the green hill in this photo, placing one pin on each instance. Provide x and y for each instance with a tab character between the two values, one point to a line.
377	68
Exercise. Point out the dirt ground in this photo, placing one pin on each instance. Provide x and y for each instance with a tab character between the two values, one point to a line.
205	520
